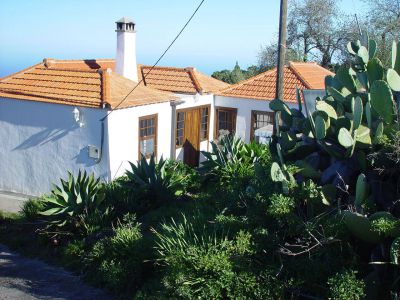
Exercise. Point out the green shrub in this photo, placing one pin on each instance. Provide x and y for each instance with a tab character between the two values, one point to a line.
73	253
126	237
346	286
116	262
9	216
280	205
384	225
201	263
188	178
118	196
113	275
31	209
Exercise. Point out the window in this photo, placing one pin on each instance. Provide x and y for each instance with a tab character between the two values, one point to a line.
226	121
180	127
148	136
204	124
260	119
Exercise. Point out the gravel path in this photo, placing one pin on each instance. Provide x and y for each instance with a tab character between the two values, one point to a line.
29	279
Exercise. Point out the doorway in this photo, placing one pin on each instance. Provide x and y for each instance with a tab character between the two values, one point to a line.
192	129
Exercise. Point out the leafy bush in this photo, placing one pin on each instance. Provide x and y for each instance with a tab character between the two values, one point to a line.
116	262
187	177
31	209
73	253
385	225
119	197
346	286
204	264
280	206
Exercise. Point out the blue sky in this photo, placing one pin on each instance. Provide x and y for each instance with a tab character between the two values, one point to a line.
223	31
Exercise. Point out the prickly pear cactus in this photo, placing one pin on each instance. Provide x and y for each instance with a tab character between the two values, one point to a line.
348	123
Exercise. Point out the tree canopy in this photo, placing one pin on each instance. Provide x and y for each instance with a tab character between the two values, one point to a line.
318	30
236	74
383	24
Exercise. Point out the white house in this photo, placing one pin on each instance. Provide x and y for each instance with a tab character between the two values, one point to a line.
66	115
244	107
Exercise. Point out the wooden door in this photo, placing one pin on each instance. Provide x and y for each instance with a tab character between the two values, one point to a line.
191	144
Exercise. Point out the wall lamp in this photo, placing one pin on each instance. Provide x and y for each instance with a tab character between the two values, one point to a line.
78	116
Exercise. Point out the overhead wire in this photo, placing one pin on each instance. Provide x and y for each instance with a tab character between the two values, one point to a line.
156	63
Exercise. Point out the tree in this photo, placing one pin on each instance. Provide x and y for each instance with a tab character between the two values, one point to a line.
383	20
268	56
223	75
237	74
316	31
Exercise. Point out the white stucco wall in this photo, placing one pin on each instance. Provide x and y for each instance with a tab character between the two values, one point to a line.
40	142
123	126
123	131
244	107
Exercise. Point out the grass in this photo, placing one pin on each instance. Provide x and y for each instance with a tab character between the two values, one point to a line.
22	236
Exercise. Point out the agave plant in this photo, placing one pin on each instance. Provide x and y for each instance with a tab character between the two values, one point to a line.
73	199
160	180
232	162
232	150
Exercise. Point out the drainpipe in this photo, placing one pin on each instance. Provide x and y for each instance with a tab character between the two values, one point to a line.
173	104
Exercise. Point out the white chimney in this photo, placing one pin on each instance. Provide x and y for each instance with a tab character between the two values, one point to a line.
125	63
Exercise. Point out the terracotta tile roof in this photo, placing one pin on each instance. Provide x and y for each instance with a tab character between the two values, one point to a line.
180	80
296	75
311	73
86	83
177	80
142	95
81	64
78	82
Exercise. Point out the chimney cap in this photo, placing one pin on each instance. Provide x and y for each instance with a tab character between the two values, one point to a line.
48	62
125	20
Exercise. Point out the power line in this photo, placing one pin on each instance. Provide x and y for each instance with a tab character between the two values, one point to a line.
158	60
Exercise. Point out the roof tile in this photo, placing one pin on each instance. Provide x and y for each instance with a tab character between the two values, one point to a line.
180	80
82	83
87	83
263	86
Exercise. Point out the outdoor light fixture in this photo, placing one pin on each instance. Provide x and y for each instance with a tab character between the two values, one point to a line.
78	116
